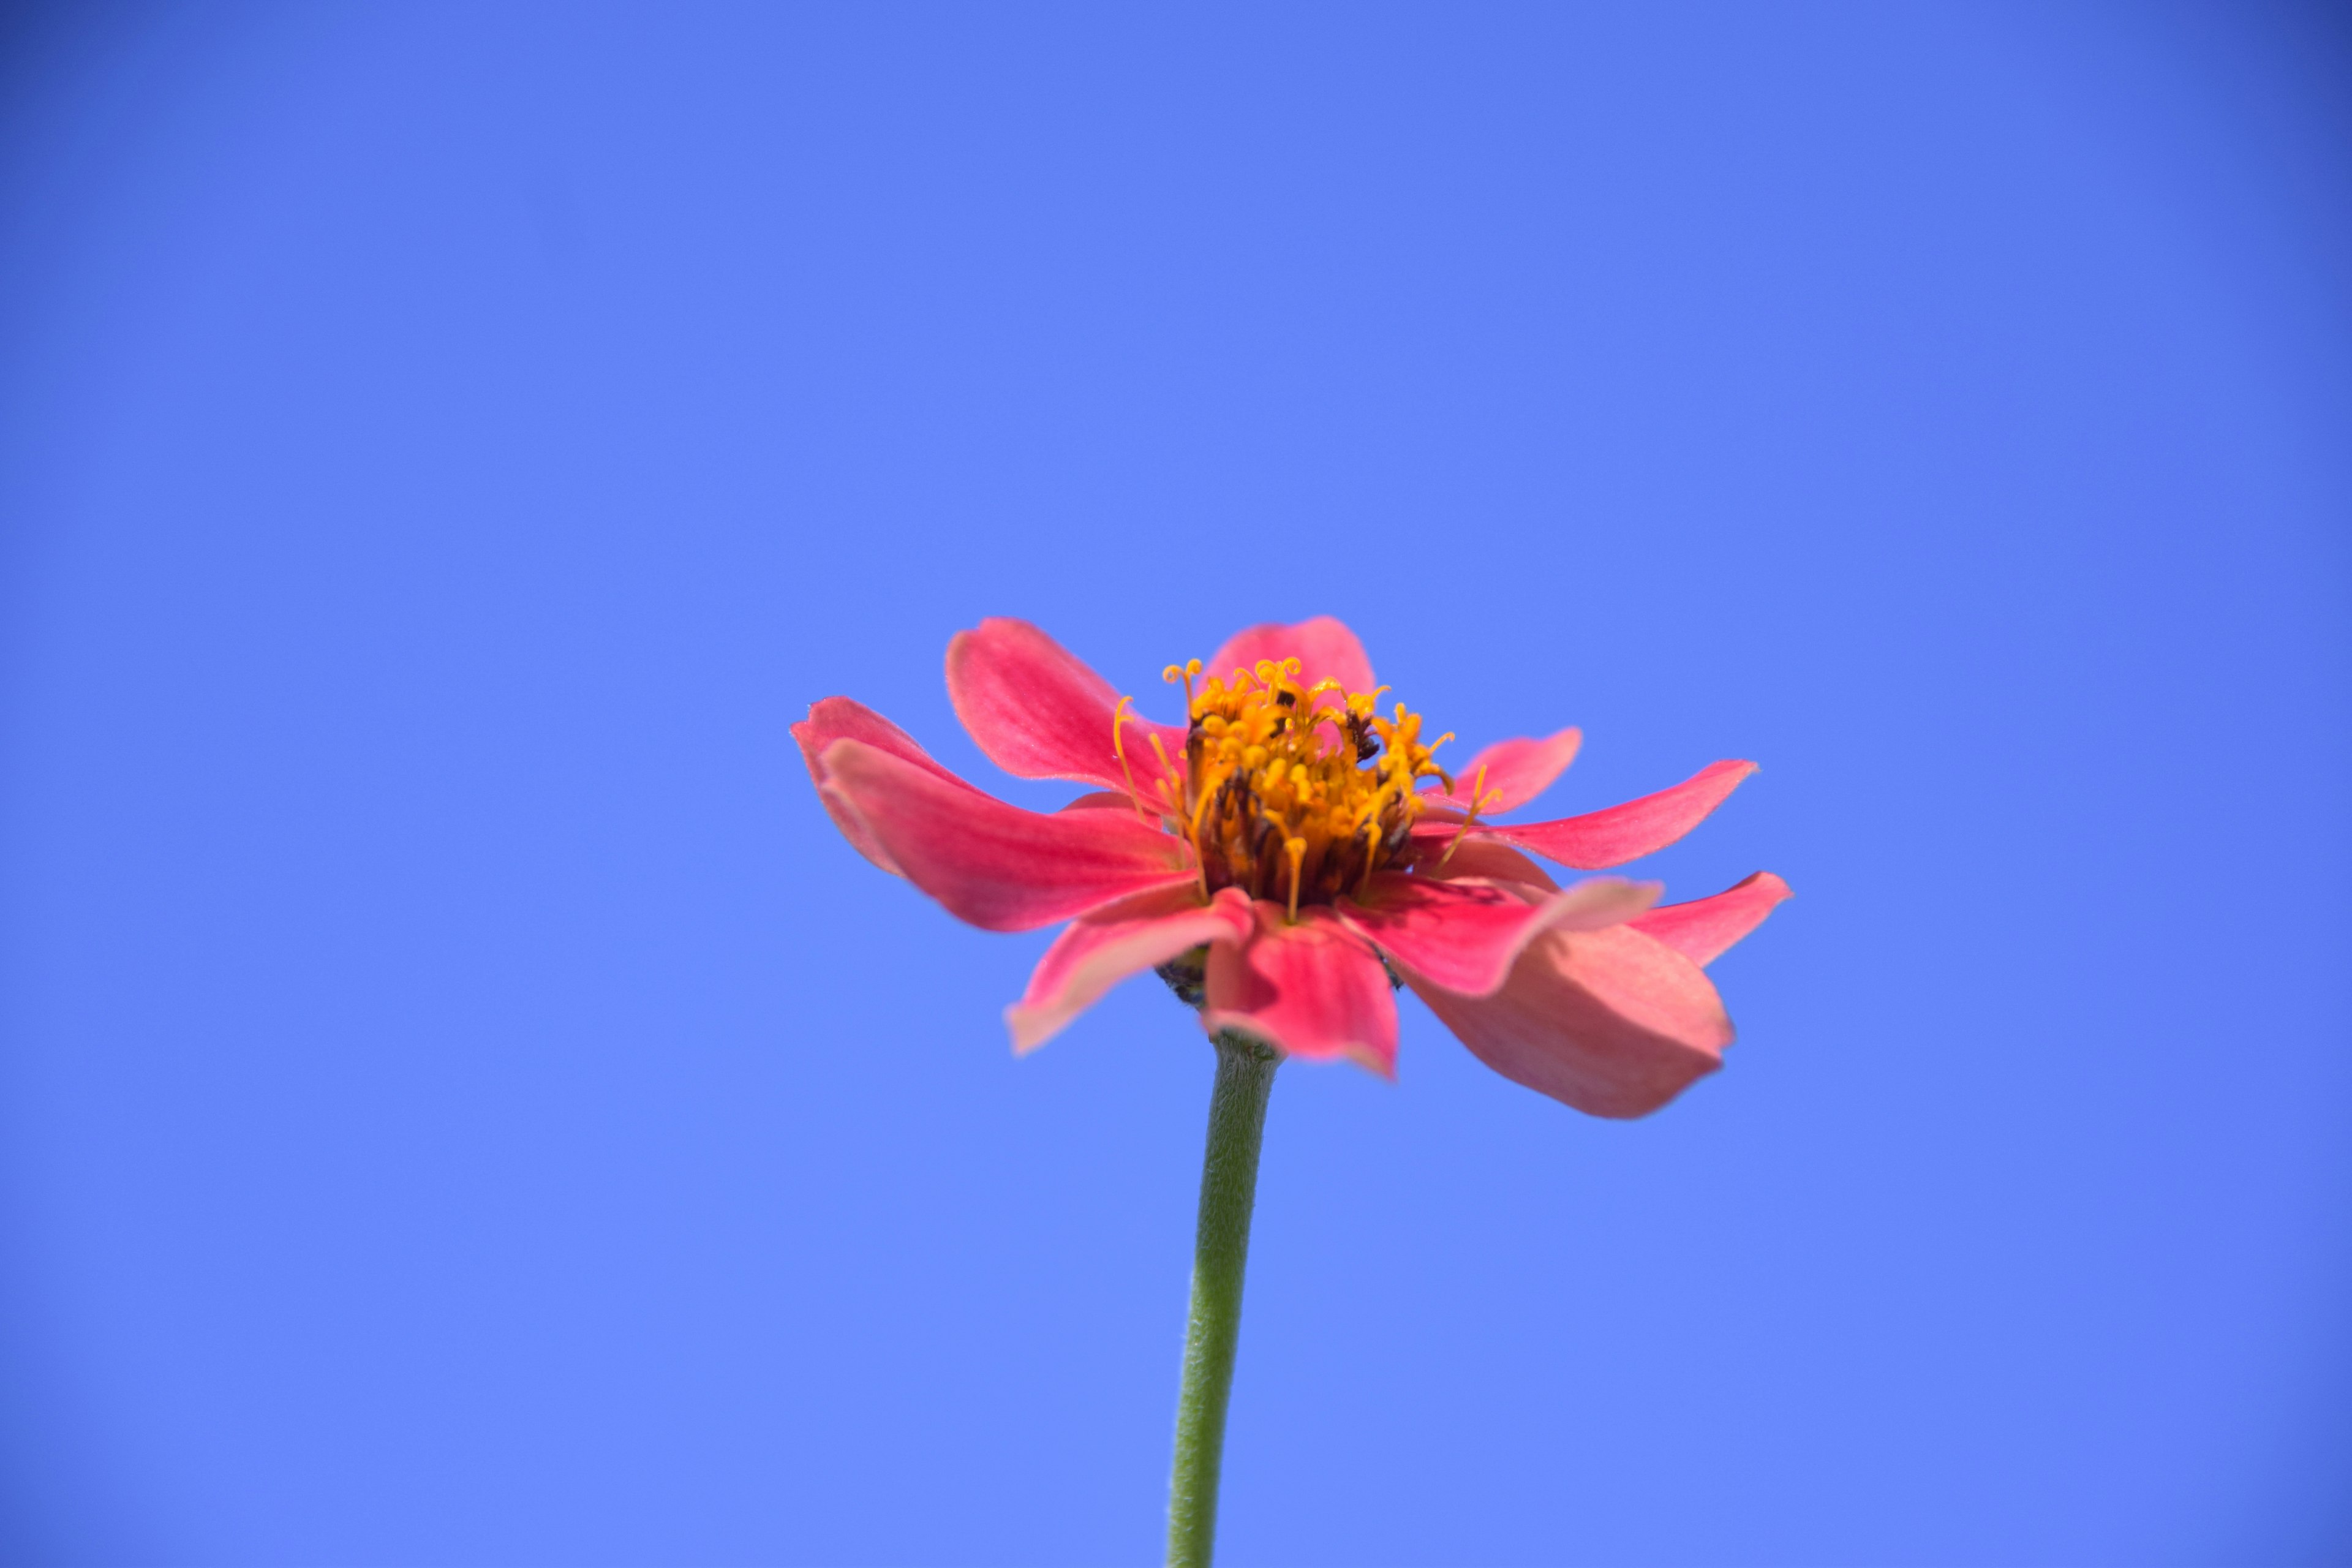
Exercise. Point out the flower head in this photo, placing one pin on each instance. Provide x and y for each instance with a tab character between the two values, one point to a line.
1303	851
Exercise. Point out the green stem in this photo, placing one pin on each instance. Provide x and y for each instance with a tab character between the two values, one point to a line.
1219	1252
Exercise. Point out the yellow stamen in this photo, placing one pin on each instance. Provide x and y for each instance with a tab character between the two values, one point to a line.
1477	799
1117	718
1167	772
1185	672
1272	760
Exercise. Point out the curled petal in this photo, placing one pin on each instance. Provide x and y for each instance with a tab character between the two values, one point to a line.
995	865
1104	946
1515	773
1612	1022
839	718
1039	712
1466	936
1325	650
1100	800
1702	929
1600	839
1312	990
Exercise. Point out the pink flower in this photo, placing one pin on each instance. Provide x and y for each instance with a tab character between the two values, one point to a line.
1288	850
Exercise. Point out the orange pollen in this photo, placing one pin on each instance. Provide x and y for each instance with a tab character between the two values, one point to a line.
1292	793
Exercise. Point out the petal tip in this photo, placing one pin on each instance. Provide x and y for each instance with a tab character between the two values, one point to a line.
1635	1109
1030	1027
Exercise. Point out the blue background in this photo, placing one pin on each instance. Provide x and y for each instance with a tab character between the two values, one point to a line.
461	1103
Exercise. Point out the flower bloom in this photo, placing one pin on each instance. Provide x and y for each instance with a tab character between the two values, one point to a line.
1309	849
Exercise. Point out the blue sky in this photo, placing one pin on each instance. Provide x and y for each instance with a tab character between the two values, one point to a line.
463	1103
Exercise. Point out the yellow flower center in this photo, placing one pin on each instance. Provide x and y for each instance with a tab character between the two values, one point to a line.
1293	793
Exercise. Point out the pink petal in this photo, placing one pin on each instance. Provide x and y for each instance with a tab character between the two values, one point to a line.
1466	936
1104	946
1701	930
1611	1021
1039	712
1323	647
994	865
1600	839
839	718
1474	856
1515	773
1312	990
